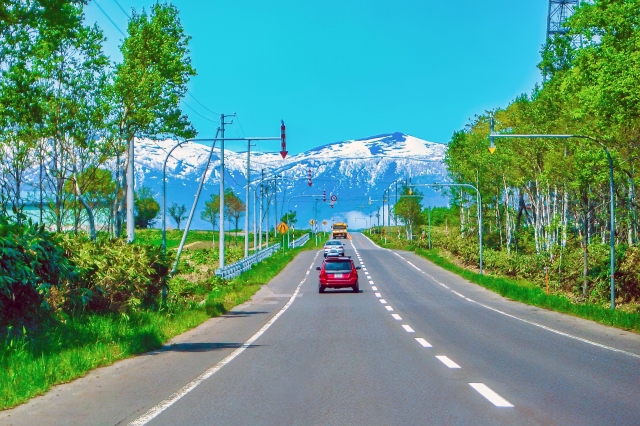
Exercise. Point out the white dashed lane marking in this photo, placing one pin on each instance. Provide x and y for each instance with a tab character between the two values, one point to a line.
370	282
378	295
389	308
383	301
408	329
423	342
491	395
396	317
446	361
374	288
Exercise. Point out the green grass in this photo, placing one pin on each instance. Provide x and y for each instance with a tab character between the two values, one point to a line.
68	348
529	293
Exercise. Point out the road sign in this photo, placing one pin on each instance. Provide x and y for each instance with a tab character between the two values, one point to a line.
334	198
312	222
282	228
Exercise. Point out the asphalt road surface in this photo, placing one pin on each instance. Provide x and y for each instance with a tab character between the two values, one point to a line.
417	345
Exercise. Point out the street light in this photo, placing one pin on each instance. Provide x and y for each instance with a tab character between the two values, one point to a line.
612	220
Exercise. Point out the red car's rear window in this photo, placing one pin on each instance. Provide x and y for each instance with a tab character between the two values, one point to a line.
341	265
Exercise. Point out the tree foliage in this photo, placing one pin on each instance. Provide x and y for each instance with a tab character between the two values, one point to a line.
146	208
544	196
177	213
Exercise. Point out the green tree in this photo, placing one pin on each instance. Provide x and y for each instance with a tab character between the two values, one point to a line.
234	208
408	208
177	213
152	79
146	208
290	218
211	213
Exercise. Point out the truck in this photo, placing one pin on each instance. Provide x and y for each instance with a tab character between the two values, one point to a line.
339	230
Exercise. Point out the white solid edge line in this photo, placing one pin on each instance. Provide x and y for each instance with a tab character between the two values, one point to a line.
447	361
396	317
159	408
389	308
493	397
423	342
544	327
408	329
383	301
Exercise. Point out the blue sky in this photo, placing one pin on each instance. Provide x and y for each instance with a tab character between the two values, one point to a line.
337	70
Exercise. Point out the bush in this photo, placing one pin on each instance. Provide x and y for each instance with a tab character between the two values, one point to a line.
32	263
114	276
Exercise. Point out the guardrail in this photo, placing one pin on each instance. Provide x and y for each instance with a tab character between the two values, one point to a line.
300	241
236	268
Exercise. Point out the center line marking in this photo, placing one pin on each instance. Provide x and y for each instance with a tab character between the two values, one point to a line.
493	397
408	329
446	361
389	308
423	342
383	301
378	295
397	317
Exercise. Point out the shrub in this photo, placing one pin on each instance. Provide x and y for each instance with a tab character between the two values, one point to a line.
31	264
114	276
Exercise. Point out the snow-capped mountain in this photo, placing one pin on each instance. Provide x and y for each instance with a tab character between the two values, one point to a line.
353	171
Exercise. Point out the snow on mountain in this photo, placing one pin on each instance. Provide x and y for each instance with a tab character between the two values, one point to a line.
352	170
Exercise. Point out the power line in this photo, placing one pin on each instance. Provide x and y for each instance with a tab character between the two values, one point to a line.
200	103
122	9
240	124
108	17
197	113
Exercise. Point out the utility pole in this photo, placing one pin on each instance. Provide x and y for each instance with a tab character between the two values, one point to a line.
247	193
261	209
130	194
255	210
275	206
222	124
395	216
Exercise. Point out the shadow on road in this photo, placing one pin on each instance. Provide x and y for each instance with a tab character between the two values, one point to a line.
201	347
241	314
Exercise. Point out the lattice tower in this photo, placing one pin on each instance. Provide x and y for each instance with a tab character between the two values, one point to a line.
559	12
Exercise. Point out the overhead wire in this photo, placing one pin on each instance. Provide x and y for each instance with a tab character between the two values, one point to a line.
109	18
122	9
201	104
197	113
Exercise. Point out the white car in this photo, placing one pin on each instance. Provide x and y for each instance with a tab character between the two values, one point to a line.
333	248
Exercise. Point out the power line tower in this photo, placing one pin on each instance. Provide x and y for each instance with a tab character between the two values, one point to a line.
559	12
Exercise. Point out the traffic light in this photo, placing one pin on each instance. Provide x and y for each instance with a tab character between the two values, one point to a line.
283	139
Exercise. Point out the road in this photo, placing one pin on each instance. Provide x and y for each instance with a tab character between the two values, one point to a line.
417	345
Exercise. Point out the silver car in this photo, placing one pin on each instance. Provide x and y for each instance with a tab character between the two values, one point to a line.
333	248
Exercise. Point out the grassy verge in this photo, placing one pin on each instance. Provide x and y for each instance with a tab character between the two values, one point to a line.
68	348
530	293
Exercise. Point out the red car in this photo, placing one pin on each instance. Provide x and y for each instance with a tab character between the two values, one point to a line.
338	272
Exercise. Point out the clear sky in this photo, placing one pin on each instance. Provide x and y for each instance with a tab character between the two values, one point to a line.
348	69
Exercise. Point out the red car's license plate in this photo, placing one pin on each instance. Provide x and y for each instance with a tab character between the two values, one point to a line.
338	275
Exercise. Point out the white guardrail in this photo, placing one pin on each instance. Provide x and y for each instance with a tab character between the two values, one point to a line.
300	241
235	269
